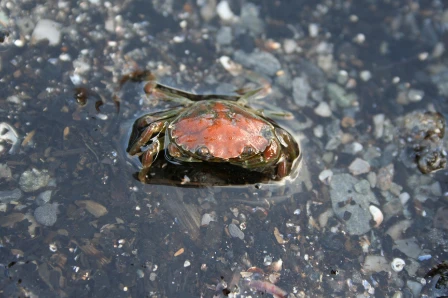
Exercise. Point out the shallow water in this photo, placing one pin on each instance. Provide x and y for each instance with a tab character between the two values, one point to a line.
74	221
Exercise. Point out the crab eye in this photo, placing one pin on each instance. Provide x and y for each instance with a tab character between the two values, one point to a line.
203	151
248	151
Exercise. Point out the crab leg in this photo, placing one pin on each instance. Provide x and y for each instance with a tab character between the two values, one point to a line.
257	93
153	129
154	124
291	157
149	156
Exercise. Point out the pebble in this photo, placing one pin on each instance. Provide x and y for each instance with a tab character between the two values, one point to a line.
340	96
415	95
313	29
235	232
415	288
359	166
342	77
300	91
385	176
46	215
374	263
263	62
323	110
44	197
289	45
378	121
224	36
404	198
32	180
318	131
47	29
225	12
325	176
365	75
362	187
351	207
6	196
371	177
5	171
353	148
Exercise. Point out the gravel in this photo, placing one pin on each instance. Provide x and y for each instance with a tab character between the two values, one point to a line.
46	215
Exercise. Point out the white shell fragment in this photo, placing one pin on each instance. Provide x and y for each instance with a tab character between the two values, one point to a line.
47	29
377	215
397	264
232	67
8	134
225	12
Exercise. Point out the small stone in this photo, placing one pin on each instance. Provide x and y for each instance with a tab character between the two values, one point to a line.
365	75
362	187
32	180
392	208
261	61
300	91
378	121
5	171
6	196
385	177
340	96
313	29
371	177
359	166
353	148
225	12
415	288
374	263
415	95
43	198
46	215
207	218
350	206
47	29
404	198
325	176
409	247
318	131
224	36
235	231
342	77
323	110
289	45
152	276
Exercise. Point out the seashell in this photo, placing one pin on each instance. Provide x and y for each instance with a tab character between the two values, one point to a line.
377	215
397	264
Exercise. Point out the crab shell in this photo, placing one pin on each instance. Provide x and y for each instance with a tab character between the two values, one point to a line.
219	131
215	131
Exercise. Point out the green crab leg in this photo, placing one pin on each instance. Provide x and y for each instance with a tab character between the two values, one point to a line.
149	156
153	129
261	92
154	124
292	154
274	112
167	93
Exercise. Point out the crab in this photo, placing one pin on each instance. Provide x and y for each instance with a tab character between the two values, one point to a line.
216	130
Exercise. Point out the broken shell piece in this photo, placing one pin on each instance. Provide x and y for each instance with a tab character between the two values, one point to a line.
279	237
276	266
397	264
9	134
377	215
232	67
